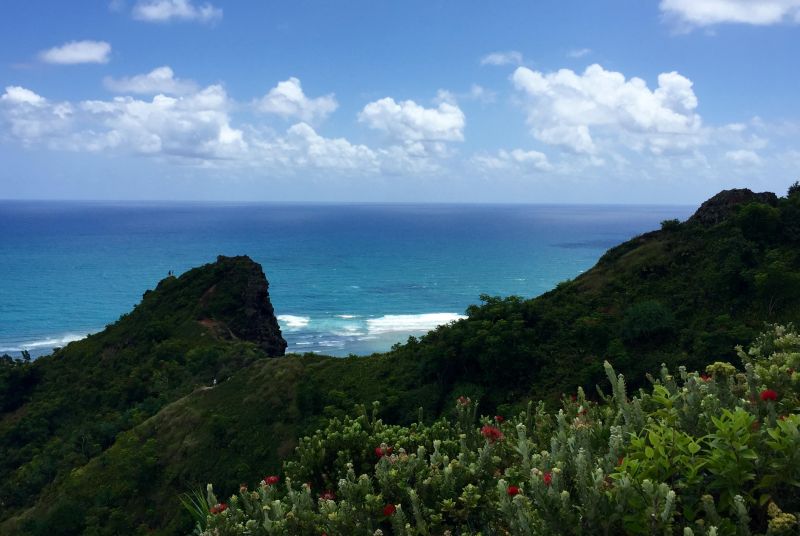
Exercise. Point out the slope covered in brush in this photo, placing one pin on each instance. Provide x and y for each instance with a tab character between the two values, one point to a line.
60	411
715	452
687	293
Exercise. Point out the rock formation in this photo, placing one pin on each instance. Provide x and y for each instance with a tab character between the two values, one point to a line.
722	205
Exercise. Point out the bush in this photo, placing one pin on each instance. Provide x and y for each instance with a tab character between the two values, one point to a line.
670	225
647	320
759	222
697	454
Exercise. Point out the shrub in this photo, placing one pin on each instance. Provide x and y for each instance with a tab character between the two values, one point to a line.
716	453
647	320
670	225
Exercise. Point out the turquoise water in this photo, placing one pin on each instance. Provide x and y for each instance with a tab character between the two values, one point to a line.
343	278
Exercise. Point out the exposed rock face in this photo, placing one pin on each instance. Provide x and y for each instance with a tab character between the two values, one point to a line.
723	204
237	304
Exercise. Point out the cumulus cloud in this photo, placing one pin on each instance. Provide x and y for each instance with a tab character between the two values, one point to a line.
515	160
409	122
194	128
709	12
31	119
510	57
288	100
159	80
76	52
20	95
196	125
582	112
328	153
168	10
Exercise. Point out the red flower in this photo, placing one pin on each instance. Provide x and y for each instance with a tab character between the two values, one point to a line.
548	479
491	433
463	401
621	460
380	452
271	480
389	509
769	394
218	508
499	419
512	490
705	377
328	495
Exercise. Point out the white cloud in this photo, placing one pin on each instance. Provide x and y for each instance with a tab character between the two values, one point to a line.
159	80
168	10
288	100
743	157
32	119
709	12
76	52
20	95
408	121
579	52
510	57
195	126
584	112
514	160
329	153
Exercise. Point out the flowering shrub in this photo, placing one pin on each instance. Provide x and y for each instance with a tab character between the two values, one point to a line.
716	453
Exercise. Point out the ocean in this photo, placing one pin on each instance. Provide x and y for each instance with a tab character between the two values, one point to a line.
344	278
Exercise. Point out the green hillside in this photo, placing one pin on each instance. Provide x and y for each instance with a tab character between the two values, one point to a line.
103	436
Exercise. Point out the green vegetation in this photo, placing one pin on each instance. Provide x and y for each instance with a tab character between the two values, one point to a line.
695	454
62	411
104	436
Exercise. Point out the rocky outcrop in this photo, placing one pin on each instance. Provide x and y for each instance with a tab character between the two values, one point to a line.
722	205
237	304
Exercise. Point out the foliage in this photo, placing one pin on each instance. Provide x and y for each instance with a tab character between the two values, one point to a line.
647	320
695	454
670	225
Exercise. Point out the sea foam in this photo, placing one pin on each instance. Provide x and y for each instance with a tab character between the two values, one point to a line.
291	322
409	323
45	344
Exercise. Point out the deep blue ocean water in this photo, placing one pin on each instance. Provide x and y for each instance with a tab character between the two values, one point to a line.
343	279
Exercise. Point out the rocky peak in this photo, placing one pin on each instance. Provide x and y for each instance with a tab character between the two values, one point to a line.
722	205
237	300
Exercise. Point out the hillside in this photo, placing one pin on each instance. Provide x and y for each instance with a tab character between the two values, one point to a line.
103	435
61	411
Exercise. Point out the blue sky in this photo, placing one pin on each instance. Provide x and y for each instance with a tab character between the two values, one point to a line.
634	101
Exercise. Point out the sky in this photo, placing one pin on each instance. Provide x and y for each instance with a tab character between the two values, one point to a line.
538	101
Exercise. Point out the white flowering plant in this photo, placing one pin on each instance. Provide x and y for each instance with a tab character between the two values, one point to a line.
711	453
